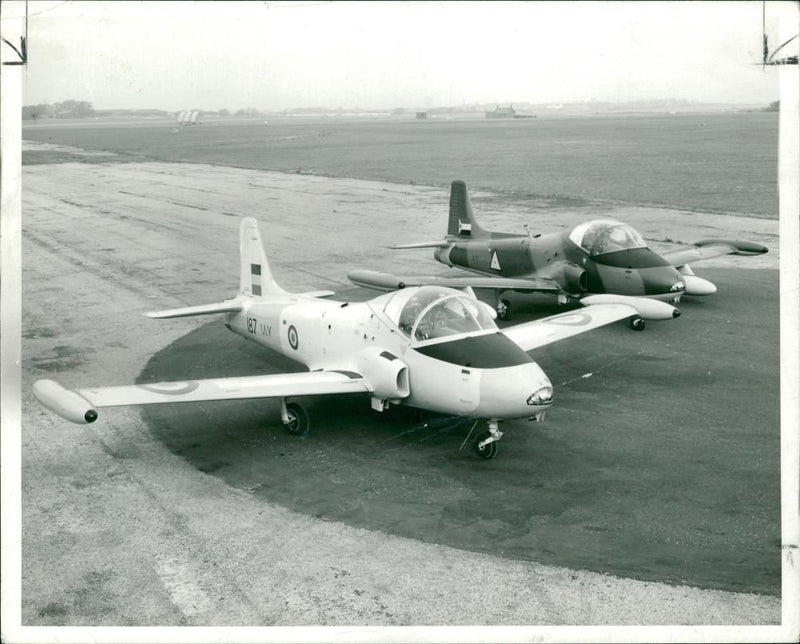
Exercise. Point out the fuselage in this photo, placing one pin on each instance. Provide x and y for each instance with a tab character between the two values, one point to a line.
632	271
480	374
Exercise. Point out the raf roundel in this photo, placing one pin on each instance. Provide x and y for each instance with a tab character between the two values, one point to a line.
574	319
293	340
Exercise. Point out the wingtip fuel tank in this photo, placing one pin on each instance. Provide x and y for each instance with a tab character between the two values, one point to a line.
375	280
738	247
67	403
697	285
648	308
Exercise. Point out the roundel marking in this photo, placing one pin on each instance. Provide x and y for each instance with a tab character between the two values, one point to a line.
575	319
170	388
293	339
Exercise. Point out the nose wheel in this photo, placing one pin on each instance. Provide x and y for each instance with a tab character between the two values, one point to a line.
485	445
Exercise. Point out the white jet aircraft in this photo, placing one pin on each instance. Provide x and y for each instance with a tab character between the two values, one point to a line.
430	347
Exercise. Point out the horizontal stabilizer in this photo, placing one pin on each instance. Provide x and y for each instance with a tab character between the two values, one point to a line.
202	309
434	244
318	294
388	282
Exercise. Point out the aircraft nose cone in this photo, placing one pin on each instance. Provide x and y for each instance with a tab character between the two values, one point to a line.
676	313
662	280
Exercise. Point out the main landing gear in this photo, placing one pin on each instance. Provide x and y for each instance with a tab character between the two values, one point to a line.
636	323
485	445
295	418
503	309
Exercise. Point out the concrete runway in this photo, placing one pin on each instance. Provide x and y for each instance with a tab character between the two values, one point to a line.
632	474
119	530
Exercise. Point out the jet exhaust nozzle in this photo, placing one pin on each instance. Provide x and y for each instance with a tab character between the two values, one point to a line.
67	403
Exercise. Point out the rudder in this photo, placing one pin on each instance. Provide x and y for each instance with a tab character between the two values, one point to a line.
256	277
462	222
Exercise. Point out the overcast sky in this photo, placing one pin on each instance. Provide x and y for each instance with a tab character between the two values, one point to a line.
381	55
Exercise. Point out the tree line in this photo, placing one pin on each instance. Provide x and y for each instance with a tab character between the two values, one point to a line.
66	110
73	109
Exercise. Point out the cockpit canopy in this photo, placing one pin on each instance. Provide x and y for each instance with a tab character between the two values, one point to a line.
601	236
435	312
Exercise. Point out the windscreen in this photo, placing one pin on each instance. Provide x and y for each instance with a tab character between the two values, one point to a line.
606	236
435	312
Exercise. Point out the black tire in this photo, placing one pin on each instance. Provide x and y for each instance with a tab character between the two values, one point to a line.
504	311
299	423
487	451
637	324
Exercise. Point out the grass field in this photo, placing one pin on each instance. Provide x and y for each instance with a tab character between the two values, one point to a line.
724	162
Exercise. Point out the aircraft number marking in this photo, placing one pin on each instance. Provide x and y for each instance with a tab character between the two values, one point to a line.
293	339
258	328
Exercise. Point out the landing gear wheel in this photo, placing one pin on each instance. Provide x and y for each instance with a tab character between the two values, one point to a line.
636	323
504	310
298	423
487	451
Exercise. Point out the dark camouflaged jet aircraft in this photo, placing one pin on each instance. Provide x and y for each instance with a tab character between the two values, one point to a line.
602	256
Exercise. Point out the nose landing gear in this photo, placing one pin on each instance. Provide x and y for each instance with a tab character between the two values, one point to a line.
485	445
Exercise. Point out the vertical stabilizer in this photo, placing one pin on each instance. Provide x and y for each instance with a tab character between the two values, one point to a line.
462	222
256	277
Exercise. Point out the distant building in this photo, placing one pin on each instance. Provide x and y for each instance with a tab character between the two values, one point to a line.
422	115
502	113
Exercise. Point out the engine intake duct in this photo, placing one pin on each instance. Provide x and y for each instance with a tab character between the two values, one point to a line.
385	373
573	277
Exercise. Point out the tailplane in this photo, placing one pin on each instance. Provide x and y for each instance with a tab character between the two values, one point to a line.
462	222
255	280
256	277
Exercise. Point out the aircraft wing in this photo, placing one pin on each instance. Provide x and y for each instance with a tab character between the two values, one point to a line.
708	248
78	405
388	282
532	335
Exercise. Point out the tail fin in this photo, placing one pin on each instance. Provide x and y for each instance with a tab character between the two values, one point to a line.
256	277
462	222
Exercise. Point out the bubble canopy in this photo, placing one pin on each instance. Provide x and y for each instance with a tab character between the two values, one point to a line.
601	236
433	312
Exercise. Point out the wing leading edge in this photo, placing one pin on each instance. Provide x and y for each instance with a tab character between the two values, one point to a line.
389	282
538	333
709	248
79	405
